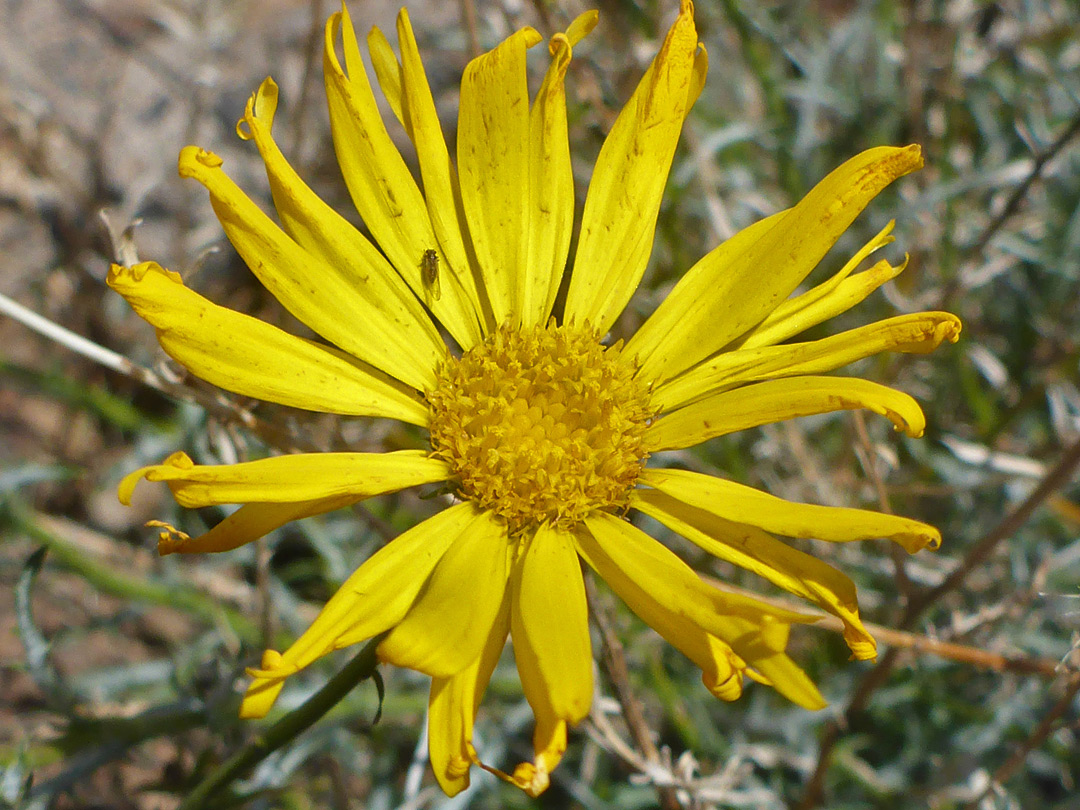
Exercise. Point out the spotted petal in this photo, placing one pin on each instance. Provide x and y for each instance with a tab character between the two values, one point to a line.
493	161
619	219
246	525
252	358
289	479
375	598
656	584
383	190
917	333
370	311
405	85
551	180
446	629
777	400
734	288
743	504
753	549
452	709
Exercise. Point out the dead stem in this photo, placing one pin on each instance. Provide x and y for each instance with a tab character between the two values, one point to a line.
1057	477
613	663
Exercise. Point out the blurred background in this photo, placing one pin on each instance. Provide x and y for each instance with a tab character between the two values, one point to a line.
119	671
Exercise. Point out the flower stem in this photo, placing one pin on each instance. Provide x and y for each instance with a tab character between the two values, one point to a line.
361	667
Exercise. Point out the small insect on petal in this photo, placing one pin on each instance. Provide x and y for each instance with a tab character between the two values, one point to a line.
429	273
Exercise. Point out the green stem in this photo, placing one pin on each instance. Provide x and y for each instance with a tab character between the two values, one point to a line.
358	669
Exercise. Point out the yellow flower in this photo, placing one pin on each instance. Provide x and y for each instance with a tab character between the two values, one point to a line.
541	428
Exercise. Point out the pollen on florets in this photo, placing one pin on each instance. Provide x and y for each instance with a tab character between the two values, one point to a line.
541	424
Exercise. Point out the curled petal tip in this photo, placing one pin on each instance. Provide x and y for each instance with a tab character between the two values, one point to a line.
578	29
124	279
170	540
116	271
196	162
863	648
458	767
906	159
272	667
180	460
933	540
127	485
952	330
263	103
531	778
243	125
912	424
728	689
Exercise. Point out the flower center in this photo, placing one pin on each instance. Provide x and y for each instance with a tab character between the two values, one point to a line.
543	424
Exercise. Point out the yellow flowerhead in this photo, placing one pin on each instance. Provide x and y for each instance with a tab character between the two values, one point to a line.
542	428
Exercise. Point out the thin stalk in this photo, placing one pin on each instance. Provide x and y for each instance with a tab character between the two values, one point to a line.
360	668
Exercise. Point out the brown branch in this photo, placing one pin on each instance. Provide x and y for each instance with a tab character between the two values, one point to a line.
1054	479
1009	768
903	582
614	664
468	11
915	642
311	48
1012	204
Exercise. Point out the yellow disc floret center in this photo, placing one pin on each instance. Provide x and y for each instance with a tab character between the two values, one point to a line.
541	424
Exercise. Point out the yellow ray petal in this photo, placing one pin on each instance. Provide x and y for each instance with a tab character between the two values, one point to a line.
698	74
551	181
445	630
452	710
288	479
628	182
372	313
753	549
248	357
373	599
777	400
549	742
550	627
246	525
385	194
796	315
838	294
689	299
387	72
917	333
493	162
315	293
732	289
721	670
743	504
441	190
660	587
687	586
